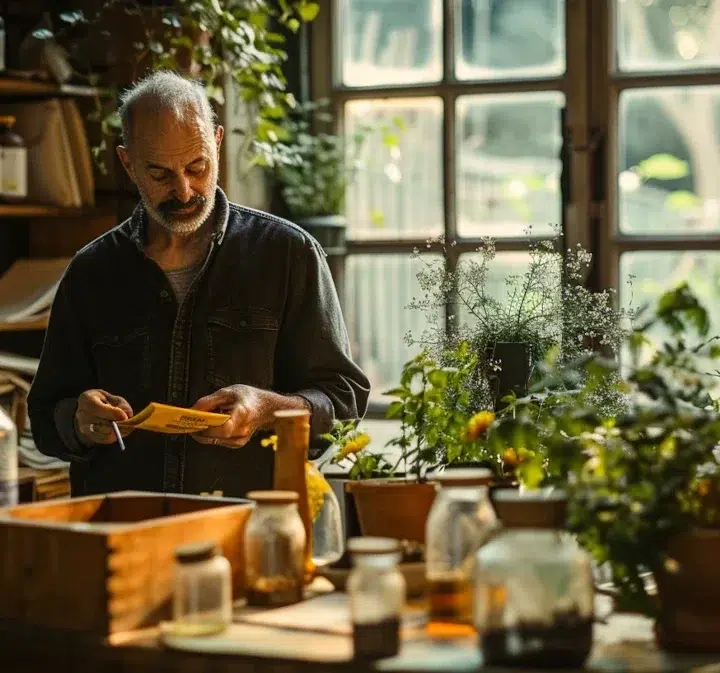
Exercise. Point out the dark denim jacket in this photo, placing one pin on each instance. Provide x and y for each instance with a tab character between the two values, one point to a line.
263	311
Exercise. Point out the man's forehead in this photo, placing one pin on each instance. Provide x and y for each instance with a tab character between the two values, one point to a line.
162	134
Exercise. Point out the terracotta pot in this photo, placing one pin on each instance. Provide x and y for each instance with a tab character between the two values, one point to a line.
393	507
690	597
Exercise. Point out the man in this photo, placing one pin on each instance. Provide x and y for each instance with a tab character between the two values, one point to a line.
193	301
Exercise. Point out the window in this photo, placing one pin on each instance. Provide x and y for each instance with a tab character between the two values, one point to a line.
477	156
602	116
665	97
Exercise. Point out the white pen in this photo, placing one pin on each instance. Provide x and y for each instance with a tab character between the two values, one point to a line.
118	435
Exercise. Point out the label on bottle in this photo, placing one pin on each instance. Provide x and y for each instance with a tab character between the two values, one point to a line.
14	172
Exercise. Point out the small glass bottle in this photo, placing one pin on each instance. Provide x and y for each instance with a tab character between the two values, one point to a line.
376	593
534	589
202	601
275	543
8	461
13	162
461	520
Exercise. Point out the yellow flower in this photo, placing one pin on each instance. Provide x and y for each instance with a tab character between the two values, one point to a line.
270	441
317	487
478	424
354	445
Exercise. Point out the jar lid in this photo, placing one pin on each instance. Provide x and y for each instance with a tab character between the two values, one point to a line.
7	120
273	497
196	552
373	545
537	508
464	476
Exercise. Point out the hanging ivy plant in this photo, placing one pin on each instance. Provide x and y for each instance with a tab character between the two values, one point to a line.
241	41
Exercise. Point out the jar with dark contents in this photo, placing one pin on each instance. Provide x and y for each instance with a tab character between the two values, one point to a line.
534	589
275	542
13	162
376	594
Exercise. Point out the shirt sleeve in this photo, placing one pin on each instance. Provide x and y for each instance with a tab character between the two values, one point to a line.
314	360
65	371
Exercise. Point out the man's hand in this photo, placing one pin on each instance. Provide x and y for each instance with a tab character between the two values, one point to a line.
250	409
95	412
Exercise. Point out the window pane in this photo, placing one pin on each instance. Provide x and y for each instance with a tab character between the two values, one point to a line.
398	193
510	39
509	164
653	273
668	34
669	160
390	42
378	288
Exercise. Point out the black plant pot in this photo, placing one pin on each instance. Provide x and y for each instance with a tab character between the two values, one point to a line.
513	375
329	231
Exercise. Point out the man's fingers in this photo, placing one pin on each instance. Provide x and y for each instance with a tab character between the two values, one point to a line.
220	399
120	403
103	405
228	442
98	432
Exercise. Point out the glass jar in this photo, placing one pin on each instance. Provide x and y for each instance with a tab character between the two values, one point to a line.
13	162
462	519
274	549
376	593
534	587
202	600
328	542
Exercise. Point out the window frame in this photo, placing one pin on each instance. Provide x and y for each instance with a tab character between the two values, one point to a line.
609	82
573	83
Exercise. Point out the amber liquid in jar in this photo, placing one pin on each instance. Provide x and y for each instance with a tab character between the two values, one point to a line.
450	605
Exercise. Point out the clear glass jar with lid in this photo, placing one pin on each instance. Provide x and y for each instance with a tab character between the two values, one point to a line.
534	589
202	599
275	542
461	520
376	592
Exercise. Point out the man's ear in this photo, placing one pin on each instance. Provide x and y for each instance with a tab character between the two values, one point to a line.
219	135
125	160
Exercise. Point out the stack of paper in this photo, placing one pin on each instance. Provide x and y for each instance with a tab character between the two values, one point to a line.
28	287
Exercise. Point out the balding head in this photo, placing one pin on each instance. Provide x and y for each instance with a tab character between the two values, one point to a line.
171	149
167	94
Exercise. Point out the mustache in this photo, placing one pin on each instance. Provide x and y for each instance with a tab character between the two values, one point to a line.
172	205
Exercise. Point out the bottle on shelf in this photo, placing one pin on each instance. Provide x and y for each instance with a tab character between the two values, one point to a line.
8	461
13	162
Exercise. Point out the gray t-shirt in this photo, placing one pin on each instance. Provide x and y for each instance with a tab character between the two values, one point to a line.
181	279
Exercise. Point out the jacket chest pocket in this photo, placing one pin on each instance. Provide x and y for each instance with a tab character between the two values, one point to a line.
122	363
241	346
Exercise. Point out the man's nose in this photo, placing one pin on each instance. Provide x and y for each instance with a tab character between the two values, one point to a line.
183	191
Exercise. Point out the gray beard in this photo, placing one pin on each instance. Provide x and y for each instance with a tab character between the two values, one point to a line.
183	227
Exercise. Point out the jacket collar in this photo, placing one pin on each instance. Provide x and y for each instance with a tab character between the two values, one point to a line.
135	227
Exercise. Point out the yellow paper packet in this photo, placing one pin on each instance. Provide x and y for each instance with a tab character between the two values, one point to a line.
171	420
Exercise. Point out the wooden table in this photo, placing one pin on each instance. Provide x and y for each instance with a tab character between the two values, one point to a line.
625	644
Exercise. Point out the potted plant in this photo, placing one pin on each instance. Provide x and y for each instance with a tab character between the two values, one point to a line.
545	307
241	44
320	166
437	426
643	485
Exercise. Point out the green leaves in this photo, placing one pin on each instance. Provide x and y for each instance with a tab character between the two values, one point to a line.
308	11
663	167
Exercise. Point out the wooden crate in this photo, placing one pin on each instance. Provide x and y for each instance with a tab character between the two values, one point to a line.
105	564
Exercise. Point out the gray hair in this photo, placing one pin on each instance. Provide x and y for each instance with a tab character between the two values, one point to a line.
164	90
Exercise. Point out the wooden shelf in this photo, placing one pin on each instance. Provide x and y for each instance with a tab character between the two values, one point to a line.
11	87
40	210
24	325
